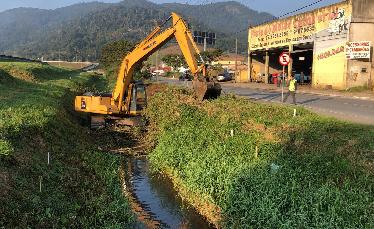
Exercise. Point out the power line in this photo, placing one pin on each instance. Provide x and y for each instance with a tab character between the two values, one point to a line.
281	16
301	8
289	13
275	18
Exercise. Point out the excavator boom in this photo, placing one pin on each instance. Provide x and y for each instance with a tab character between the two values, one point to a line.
123	94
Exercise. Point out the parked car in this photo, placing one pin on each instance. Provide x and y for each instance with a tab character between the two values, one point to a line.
186	76
224	77
159	72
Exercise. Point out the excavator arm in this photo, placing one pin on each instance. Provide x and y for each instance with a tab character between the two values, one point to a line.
152	43
119	102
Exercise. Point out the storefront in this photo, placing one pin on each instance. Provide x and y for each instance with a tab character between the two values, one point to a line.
331	47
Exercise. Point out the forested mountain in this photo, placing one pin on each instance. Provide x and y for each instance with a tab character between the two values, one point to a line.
79	31
226	17
22	26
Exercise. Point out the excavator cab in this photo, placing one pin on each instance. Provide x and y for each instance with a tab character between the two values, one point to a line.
138	98
137	103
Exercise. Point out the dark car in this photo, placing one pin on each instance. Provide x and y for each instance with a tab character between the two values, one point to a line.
186	76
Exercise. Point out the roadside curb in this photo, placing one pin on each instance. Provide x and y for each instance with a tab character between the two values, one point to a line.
366	98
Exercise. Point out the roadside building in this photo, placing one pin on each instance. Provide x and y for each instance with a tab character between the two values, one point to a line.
331	47
227	61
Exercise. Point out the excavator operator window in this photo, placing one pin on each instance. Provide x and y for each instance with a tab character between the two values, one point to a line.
139	98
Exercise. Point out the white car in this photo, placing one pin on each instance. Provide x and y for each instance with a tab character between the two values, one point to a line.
221	78
225	77
160	72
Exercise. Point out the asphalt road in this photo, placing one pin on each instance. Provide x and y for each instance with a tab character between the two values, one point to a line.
344	108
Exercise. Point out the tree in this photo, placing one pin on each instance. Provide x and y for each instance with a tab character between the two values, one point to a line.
210	56
113	53
174	60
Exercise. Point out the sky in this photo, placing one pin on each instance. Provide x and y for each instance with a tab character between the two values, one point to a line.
275	7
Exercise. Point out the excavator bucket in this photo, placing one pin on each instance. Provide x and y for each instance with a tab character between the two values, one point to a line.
206	90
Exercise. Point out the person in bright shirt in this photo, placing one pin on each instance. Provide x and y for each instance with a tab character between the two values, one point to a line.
292	87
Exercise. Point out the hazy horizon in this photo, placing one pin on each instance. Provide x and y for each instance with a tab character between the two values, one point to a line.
277	7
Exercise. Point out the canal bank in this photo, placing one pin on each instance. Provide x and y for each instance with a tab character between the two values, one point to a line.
260	165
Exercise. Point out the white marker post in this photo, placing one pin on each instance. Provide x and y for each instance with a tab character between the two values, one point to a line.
40	183
284	60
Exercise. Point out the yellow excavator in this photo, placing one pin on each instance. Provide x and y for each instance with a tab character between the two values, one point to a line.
129	97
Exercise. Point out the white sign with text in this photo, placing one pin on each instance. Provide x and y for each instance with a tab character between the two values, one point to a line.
358	50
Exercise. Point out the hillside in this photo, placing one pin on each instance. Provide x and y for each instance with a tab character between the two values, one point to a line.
224	17
79	31
22	26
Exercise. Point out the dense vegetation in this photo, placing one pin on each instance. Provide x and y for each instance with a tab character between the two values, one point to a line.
114	52
79	188
261	167
111	58
23	28
80	31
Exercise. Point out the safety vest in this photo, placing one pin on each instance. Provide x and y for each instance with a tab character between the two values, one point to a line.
292	86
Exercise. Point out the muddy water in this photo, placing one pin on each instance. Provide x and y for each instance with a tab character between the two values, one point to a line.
154	199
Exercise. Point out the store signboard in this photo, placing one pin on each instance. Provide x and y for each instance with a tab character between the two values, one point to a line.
358	50
329	21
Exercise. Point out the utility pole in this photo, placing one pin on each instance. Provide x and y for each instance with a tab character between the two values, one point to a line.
157	52
76	54
236	56
59	45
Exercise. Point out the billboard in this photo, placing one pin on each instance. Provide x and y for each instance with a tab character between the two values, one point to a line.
200	36
331	20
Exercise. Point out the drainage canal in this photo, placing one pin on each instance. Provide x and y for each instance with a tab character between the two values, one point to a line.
154	200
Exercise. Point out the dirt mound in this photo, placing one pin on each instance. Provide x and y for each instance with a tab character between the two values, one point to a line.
154	88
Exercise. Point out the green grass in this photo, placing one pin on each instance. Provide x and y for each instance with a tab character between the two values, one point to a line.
80	188
310	172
